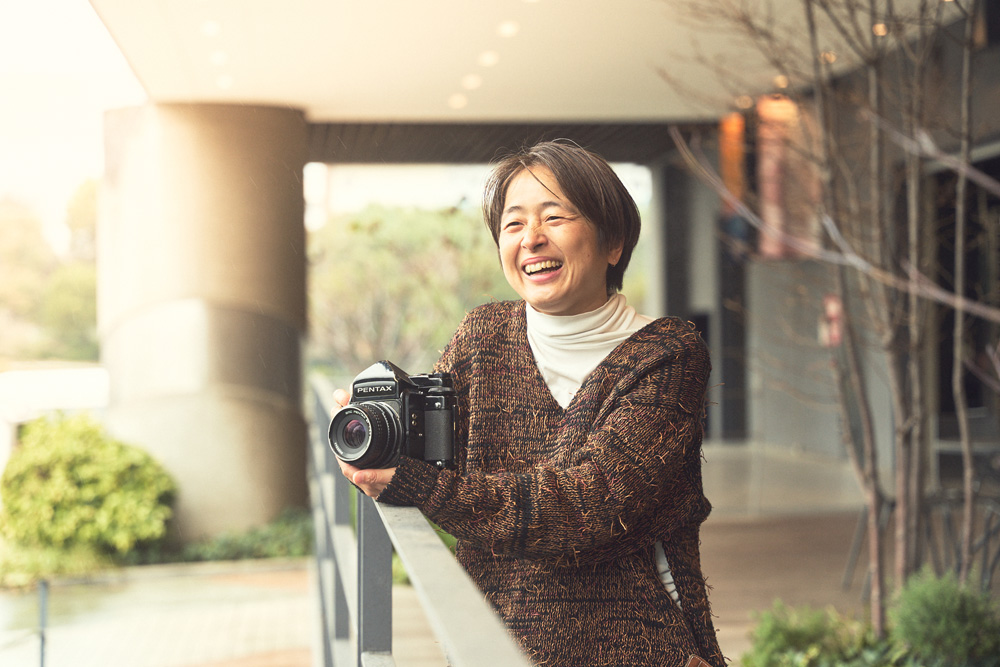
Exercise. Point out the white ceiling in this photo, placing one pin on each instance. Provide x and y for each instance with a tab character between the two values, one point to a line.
416	61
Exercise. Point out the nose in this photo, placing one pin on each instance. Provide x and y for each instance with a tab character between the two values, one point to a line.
533	236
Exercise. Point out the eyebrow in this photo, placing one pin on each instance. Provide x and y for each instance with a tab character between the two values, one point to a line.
548	204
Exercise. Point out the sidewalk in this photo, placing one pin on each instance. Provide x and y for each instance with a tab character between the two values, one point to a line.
781	529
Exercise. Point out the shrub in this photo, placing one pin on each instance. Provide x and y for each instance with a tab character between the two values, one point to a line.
943	624
934	622
70	485
22	567
786	637
288	536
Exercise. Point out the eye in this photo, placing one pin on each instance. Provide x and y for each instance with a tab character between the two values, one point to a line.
512	224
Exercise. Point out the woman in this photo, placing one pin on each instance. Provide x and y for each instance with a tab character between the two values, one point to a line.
577	495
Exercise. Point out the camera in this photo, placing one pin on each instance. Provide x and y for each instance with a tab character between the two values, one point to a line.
392	413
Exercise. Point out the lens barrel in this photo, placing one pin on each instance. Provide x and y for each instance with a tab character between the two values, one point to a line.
367	435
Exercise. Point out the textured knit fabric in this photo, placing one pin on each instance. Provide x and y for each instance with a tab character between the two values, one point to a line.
567	348
557	511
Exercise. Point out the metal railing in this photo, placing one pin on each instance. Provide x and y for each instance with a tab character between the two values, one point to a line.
354	571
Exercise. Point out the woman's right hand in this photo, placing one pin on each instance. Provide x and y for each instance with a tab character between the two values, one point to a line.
371	482
341	397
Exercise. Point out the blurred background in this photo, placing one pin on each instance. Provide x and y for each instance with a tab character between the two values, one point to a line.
206	203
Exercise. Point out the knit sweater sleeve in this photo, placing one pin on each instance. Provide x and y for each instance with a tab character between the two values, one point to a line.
635	478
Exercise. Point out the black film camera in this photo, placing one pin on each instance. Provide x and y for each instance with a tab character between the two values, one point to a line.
392	413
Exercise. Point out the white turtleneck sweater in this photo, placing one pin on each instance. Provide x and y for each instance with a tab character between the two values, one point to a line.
567	348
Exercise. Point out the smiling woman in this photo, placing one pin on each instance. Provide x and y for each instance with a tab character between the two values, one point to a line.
551	254
576	495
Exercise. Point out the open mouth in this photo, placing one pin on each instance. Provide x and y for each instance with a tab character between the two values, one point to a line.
547	266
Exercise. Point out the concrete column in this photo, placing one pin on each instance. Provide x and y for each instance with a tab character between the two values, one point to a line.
669	229
685	213
202	303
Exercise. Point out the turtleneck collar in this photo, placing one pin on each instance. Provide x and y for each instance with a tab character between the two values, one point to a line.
567	348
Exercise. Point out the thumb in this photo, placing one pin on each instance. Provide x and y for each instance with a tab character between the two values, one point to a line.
365	477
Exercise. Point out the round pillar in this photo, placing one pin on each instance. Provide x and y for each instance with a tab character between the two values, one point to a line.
202	303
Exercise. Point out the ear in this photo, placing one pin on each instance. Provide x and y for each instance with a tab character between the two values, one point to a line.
615	254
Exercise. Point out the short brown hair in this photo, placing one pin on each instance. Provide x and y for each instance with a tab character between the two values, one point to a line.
592	187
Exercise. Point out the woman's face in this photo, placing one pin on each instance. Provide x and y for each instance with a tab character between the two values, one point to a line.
549	252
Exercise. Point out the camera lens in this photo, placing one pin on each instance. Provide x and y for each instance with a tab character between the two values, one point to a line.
355	434
367	435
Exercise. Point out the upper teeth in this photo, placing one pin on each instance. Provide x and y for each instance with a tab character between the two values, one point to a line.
539	266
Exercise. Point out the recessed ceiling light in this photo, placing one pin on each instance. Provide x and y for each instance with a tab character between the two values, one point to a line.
211	28
489	58
508	29
472	81
219	58
458	101
224	81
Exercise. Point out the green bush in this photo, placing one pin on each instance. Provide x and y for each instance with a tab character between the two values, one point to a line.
934	622
787	637
943	624
288	536
69	485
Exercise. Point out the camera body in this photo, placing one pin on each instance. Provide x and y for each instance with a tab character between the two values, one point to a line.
392	413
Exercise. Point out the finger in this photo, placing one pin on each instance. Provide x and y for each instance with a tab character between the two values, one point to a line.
341	397
373	480
348	470
370	477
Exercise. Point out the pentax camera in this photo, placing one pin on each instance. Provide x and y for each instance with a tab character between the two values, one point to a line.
392	413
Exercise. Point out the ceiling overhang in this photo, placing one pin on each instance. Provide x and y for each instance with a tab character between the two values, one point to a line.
441	80
479	143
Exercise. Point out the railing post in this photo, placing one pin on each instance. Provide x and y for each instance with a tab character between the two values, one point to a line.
374	582
43	618
340	514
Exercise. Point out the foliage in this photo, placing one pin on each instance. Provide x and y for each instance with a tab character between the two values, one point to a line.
936	622
786	637
25	257
70	485
81	219
22	566
288	536
68	312
393	283
26	261
945	624
48	305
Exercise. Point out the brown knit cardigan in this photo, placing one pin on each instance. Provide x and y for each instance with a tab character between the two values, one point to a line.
557	511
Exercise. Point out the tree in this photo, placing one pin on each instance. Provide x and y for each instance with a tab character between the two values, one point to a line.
392	283
81	219
67	311
872	100
25	261
48	304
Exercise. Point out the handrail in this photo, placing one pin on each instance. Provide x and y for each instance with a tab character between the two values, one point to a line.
354	571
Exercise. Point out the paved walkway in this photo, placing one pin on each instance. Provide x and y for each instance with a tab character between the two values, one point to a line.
781	529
